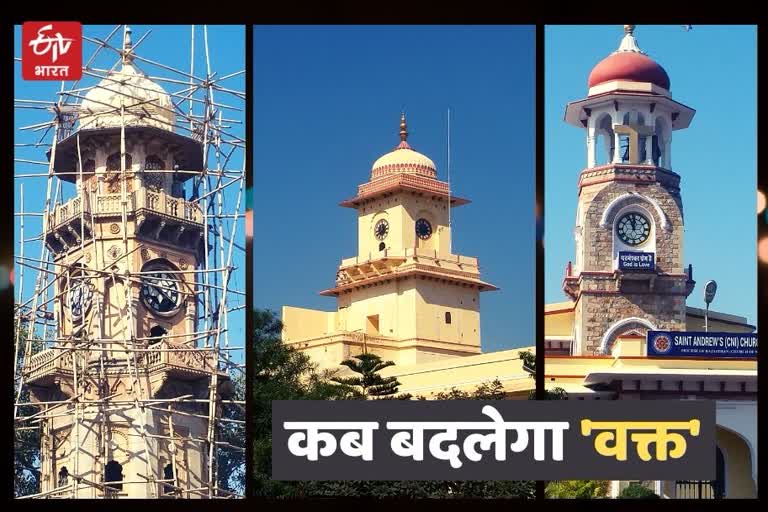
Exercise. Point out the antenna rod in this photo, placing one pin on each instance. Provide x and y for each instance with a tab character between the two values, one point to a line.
449	183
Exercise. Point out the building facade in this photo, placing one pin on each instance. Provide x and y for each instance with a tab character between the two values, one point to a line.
629	276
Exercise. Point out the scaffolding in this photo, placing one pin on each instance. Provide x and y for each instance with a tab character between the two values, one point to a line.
105	374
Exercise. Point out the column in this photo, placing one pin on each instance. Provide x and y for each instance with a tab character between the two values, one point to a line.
591	150
616	148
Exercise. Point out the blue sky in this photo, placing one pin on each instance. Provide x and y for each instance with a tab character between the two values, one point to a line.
713	69
327	102
166	44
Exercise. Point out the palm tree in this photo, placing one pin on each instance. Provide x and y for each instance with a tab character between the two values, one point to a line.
368	382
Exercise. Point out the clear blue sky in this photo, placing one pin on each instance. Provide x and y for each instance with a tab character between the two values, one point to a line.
169	45
327	102
713	69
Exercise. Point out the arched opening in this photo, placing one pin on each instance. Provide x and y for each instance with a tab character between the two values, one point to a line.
168	475
604	137
659	143
113	172
63	477
153	180
153	163
447	317
633	324
89	166
113	476
156	334
113	162
382	246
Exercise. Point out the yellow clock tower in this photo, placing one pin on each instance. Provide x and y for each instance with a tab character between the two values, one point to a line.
404	296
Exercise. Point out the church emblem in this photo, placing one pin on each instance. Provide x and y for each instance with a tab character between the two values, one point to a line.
662	344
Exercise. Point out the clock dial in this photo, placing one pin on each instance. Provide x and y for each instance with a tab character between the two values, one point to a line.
423	229
79	294
381	229
160	290
633	229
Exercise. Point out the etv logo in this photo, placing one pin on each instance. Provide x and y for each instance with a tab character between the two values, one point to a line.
52	50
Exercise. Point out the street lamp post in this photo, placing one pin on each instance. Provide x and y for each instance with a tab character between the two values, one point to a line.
709	295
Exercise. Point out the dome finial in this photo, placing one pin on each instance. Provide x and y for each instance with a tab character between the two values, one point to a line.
403	128
628	42
127	46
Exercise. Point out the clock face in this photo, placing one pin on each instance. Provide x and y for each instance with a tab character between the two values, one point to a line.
381	229
160	290
79	294
633	229
423	229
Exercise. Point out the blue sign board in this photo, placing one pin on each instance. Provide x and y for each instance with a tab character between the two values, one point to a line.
714	345
629	260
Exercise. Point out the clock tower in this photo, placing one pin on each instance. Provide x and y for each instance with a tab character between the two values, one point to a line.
123	390
629	275
405	295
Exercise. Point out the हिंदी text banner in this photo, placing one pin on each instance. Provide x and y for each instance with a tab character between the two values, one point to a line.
493	440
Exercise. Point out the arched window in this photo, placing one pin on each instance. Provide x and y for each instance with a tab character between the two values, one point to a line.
63	476
113	476
168	475
658	143
113	162
382	246
604	137
448	317
156	334
153	180
153	163
89	166
113	172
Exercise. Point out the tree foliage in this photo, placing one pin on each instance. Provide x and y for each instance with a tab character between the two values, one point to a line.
26	437
577	489
636	490
368	383
230	459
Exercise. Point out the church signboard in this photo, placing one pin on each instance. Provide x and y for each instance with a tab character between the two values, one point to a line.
630	260
714	345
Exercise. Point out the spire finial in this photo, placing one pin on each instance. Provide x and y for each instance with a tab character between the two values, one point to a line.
127	45
628	42
403	128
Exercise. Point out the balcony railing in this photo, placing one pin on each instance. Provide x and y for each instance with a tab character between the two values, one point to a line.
111	204
168	356
48	362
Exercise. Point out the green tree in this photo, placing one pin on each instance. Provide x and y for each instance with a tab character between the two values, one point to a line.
577	489
278	372
26	437
230	457
636	490
368	383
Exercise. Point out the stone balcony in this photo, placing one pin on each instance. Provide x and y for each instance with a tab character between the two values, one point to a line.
170	360
47	366
158	216
397	263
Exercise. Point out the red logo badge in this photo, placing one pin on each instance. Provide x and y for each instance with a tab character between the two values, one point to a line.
52	50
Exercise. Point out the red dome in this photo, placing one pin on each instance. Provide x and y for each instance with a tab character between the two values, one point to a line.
631	66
